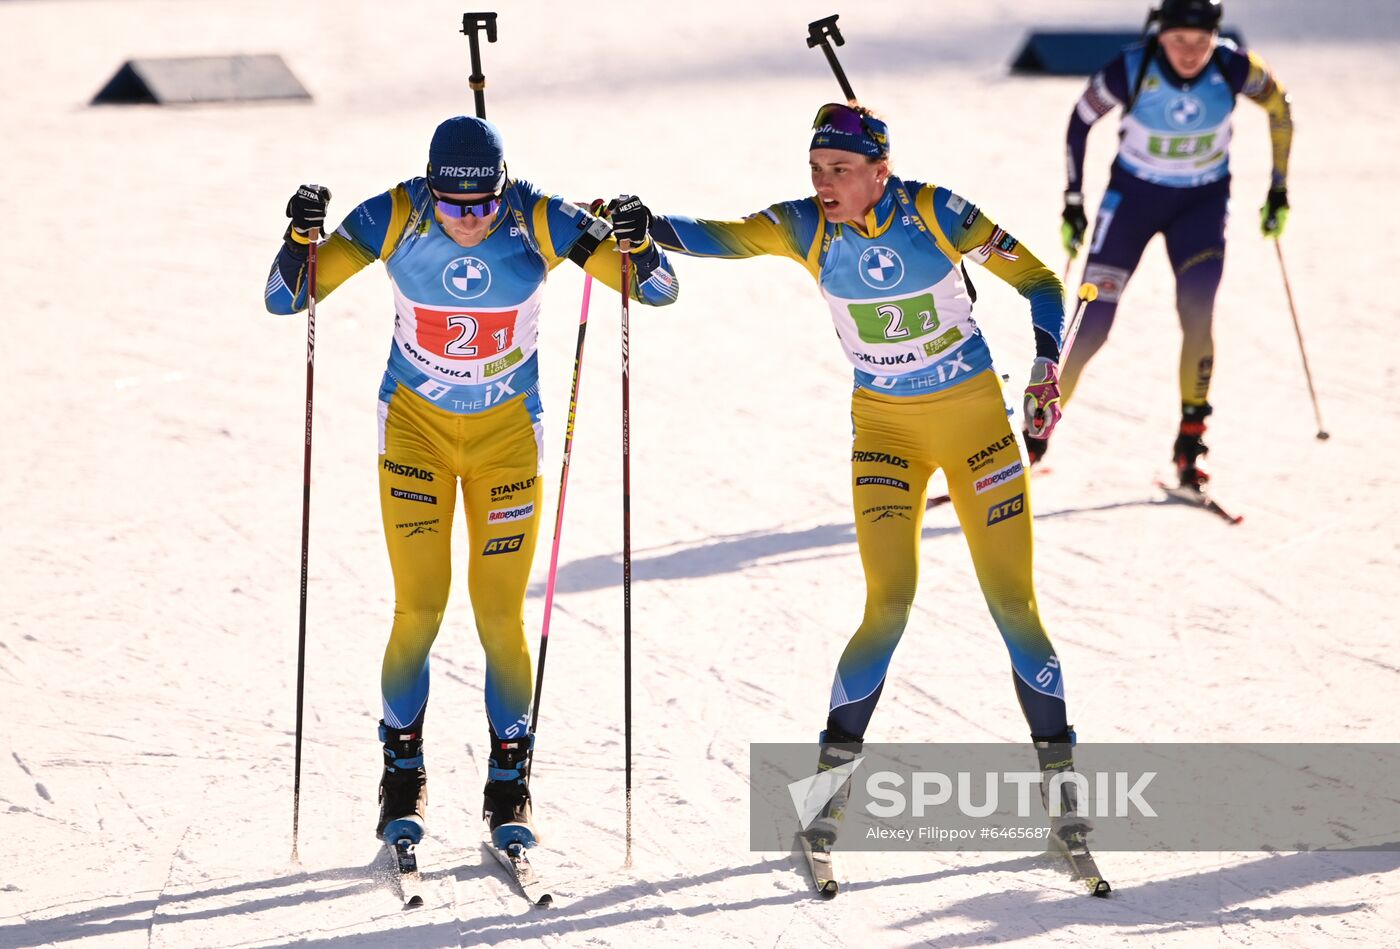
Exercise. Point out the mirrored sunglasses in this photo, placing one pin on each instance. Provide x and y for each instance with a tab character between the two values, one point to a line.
464	207
846	120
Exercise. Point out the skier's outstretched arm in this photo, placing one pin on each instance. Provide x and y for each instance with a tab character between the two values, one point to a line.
789	229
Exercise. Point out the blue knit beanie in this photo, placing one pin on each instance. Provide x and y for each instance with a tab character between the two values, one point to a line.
466	157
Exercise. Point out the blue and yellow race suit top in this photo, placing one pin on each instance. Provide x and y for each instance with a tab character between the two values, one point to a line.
897	295
466	319
1176	132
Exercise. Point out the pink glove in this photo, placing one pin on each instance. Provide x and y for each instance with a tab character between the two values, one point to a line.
1042	398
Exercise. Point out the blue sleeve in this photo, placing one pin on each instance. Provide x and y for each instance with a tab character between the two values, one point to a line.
554	224
283	295
568	223
367	226
1107	89
786	229
956	216
1234	63
355	244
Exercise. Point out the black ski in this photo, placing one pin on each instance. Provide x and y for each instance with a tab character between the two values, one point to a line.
407	879
817	854
1198	498
516	861
1074	848
509	844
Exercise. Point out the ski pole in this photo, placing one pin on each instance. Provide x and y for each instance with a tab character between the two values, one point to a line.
1088	293
472	25
313	236
1322	433
559	517
823	33
626	548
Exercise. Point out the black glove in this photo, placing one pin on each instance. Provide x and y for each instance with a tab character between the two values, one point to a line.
1274	214
307	209
1074	223
630	221
1035	447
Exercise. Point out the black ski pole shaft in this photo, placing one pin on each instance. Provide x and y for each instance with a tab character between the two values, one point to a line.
1322	433
626	550
473	24
823	33
314	236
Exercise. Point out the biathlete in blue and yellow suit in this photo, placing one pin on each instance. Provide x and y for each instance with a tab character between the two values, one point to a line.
1171	176
467	250
886	255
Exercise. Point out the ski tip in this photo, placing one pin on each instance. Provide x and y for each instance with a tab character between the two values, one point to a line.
544	902
1100	888
829	889
414	902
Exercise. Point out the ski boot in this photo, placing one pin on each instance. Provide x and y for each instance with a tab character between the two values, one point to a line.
1056	754
1189	448
837	748
1069	824
403	790
506	797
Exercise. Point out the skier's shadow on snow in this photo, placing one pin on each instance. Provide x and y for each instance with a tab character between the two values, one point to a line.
290	889
732	553
1192	900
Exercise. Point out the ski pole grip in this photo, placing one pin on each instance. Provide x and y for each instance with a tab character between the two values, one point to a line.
823	33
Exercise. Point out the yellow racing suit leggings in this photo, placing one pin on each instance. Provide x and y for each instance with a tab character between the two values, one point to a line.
424	453
898	443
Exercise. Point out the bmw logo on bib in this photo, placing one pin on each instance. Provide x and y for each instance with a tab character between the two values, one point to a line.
881	268
467	278
1185	112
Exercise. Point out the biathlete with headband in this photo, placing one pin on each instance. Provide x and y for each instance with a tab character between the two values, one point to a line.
886	254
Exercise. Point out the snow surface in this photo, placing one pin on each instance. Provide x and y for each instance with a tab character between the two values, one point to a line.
152	485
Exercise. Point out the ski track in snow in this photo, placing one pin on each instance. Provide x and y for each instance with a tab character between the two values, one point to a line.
148	646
